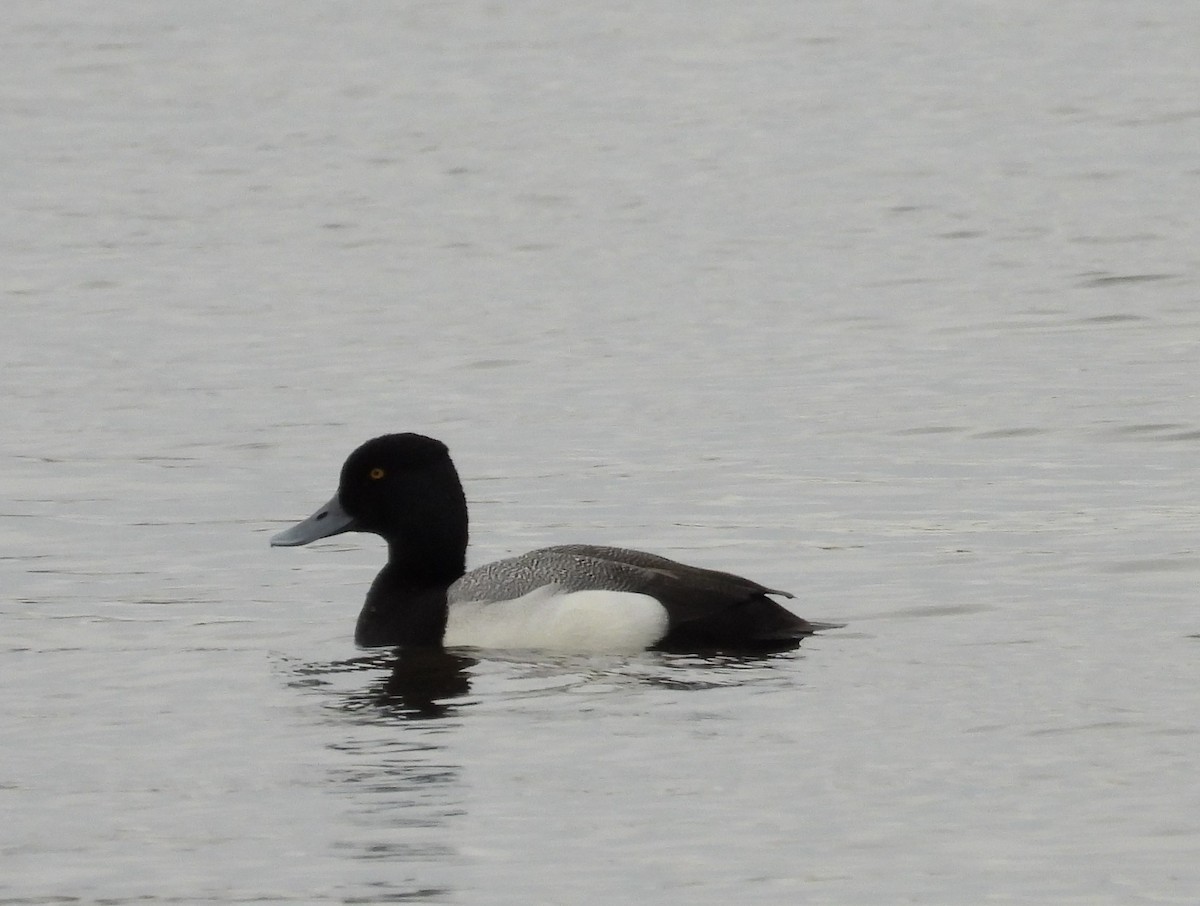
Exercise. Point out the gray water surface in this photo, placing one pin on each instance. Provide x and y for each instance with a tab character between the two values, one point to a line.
892	305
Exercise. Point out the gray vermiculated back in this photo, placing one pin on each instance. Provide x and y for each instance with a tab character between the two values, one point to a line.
570	570
581	567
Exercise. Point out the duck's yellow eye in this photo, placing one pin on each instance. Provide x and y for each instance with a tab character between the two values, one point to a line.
377	473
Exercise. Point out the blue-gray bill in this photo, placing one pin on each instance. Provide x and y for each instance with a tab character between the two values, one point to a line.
329	520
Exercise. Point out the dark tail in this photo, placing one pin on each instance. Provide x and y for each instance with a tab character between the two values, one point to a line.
757	625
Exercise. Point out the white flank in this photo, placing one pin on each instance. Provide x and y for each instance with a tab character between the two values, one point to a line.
577	622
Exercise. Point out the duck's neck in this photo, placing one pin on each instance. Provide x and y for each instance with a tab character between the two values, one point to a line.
398	612
407	605
427	561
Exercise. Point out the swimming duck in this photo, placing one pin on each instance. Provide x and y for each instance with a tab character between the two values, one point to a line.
573	597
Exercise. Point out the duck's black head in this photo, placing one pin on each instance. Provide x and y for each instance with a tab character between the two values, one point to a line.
388	481
404	488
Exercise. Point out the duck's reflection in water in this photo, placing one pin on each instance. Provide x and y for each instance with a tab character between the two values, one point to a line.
425	684
415	684
421	684
392	766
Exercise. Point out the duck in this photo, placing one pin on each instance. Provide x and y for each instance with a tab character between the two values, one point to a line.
567	598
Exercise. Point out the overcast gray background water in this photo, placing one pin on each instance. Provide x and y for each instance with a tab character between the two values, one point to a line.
891	304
